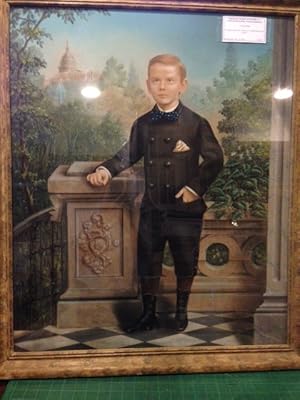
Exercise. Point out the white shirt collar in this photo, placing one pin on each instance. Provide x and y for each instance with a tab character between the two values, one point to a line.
169	110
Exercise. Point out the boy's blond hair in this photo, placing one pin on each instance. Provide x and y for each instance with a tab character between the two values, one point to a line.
168	59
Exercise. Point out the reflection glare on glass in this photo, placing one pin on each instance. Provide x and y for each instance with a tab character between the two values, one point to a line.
283	93
90	92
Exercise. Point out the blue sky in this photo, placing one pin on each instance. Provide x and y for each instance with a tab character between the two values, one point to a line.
134	37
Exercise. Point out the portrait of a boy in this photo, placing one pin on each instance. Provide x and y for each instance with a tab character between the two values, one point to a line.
181	159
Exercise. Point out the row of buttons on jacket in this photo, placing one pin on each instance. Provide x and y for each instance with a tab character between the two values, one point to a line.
153	185
166	163
166	140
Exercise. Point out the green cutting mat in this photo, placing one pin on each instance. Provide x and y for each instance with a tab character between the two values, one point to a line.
281	385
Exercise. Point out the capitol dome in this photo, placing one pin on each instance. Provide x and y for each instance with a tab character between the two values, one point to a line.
67	62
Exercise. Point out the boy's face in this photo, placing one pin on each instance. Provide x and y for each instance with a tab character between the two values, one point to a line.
165	84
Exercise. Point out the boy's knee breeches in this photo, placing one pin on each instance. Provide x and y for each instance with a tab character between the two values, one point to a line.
182	231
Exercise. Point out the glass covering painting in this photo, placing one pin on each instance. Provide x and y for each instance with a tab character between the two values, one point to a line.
78	83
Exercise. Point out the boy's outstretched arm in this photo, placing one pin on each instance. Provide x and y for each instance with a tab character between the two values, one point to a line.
129	154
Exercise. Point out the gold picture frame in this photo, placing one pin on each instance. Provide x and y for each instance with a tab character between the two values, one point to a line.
163	360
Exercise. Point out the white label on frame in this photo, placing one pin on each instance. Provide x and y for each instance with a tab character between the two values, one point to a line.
243	29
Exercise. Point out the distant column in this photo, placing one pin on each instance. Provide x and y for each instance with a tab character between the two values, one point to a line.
270	320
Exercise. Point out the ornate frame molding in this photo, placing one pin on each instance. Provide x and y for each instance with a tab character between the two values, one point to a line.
146	361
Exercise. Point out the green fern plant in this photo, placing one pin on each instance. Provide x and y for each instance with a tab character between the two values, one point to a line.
241	189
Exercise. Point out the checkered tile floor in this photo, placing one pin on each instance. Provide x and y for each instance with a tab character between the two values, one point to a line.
203	330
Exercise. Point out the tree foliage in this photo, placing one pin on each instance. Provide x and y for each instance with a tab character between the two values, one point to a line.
250	113
32	127
226	85
113	74
241	189
39	132
80	136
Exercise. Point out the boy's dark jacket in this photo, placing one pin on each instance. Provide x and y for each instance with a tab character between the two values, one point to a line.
167	171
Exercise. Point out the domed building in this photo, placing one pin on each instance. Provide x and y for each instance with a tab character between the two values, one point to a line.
67	63
66	85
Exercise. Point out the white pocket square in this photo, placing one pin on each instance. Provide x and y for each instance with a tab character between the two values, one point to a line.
180	147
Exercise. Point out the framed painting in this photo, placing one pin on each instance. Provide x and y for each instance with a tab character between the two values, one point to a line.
114	111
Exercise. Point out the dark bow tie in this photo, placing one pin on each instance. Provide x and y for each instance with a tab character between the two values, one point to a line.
157	115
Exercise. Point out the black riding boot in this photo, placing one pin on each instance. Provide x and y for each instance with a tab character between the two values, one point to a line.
148	319
181	320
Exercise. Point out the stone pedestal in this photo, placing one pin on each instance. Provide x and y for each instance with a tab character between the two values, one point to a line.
101	232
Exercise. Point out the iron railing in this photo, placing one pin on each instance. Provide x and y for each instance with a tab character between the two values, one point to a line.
39	270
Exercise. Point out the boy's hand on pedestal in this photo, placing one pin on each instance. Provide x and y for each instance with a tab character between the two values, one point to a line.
98	178
187	196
